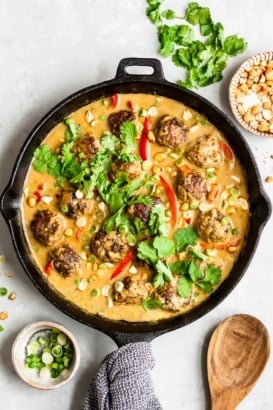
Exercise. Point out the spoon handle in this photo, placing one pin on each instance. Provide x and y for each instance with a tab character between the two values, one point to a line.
223	402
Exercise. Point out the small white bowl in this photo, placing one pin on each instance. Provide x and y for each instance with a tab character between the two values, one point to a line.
31	376
248	100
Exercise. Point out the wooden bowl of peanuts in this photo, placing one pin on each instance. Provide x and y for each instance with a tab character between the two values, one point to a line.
251	94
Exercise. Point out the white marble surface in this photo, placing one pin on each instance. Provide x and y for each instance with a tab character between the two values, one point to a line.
49	49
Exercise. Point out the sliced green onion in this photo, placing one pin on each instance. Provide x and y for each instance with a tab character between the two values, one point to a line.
62	339
3	291
194	204
94	292
225	221
47	358
57	351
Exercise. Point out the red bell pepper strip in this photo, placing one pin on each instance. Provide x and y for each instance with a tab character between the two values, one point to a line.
144	142
172	200
221	246
114	100
226	150
185	169
40	192
123	264
78	233
49	267
38	195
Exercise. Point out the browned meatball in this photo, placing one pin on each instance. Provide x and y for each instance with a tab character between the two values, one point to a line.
65	260
169	297
213	226
109	247
170	132
71	203
191	186
133	291
132	169
48	227
86	147
116	119
206	152
142	211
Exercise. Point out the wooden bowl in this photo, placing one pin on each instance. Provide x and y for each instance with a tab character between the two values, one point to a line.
251	94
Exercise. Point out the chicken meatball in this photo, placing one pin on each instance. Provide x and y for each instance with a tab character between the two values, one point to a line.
65	260
130	291
86	147
169	297
143	211
131	169
213	226
170	132
109	247
191	186
206	152
73	205
116	119
48	227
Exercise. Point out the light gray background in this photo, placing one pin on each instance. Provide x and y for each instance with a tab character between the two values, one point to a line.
49	49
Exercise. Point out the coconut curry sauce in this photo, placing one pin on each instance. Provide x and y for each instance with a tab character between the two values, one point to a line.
135	208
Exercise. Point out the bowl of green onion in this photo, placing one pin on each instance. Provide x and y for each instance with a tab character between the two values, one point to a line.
45	355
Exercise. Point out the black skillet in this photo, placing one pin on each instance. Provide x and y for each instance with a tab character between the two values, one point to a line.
124	82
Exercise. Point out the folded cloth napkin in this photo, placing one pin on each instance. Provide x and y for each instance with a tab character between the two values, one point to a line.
123	381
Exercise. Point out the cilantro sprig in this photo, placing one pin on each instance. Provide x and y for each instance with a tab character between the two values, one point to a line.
204	57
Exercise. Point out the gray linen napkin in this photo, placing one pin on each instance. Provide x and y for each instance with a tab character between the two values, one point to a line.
123	381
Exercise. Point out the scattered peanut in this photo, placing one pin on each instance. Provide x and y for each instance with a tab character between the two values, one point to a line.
12	296
269	179
4	315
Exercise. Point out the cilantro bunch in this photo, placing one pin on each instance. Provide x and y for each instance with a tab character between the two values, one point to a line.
193	269
205	57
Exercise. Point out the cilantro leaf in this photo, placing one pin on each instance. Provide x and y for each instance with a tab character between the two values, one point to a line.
205	286
150	303
165	247
146	252
46	161
167	37
164	270
169	14
153	11
184	286
73	130
158	280
128	134
194	271
213	274
234	45
184	237
157	221
180	267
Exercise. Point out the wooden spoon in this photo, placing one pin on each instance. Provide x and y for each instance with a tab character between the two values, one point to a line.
238	351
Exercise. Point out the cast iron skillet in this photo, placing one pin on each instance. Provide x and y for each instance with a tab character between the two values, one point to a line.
124	82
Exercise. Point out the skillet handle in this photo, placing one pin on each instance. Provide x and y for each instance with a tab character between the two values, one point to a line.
122	339
123	74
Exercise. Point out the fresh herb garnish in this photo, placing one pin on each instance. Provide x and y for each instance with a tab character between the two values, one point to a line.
150	303
191	273
204	58
185	237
